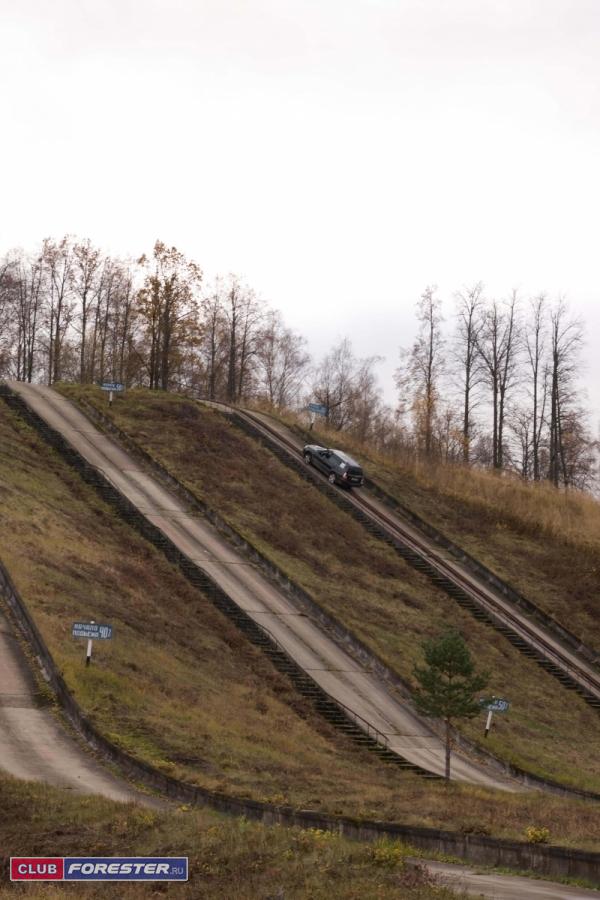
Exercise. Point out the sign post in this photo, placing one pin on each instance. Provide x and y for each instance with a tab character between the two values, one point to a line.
88	655
92	632
113	387
493	704
316	409
488	723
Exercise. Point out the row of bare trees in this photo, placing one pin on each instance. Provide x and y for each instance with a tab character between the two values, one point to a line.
70	312
65	312
497	388
501	389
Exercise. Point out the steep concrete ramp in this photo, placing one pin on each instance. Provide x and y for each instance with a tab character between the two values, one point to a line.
330	666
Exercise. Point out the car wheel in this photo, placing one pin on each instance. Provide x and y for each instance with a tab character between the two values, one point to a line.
331	478
307	459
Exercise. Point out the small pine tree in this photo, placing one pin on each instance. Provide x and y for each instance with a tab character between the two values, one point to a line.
447	683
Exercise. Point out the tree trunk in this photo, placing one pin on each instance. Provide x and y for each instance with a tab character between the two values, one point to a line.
231	380
467	416
448	746
84	324
495	423
554	465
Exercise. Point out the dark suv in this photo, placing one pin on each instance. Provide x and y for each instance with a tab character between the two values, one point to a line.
338	466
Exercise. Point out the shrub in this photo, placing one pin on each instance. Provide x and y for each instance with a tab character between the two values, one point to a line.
388	855
537	834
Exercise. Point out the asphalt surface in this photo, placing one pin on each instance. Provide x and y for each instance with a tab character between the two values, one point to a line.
340	675
474	882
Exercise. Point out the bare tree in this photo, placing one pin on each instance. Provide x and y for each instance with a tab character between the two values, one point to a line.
251	312
86	266
8	284
29	295
58	261
566	338
535	346
243	314
233	314
334	384
367	405
346	385
420	373
112	339
498	346
167	297
520	423
470	306
282	360
213	346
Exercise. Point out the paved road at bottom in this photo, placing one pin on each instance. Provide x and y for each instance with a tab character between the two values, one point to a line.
477	883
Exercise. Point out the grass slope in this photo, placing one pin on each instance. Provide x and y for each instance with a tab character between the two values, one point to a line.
545	542
178	685
358	578
161	687
227	857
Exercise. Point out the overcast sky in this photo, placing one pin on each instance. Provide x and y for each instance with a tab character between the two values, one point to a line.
340	154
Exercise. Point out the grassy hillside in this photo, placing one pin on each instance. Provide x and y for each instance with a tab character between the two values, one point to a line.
545	542
360	579
227	857
162	690
178	685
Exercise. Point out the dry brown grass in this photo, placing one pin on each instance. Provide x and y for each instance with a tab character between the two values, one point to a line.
161	687
545	542
228	858
361	580
569	516
199	702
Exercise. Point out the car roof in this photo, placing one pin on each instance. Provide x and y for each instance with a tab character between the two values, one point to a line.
344	456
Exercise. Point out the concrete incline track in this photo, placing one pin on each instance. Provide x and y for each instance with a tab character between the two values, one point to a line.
531	637
335	671
33	744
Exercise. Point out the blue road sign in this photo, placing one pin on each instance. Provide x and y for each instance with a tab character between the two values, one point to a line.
112	386
494	704
319	408
92	632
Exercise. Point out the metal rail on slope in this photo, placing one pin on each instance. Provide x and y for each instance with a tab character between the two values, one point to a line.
369	729
564	664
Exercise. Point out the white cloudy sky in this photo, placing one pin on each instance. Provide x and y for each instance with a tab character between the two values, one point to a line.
341	154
